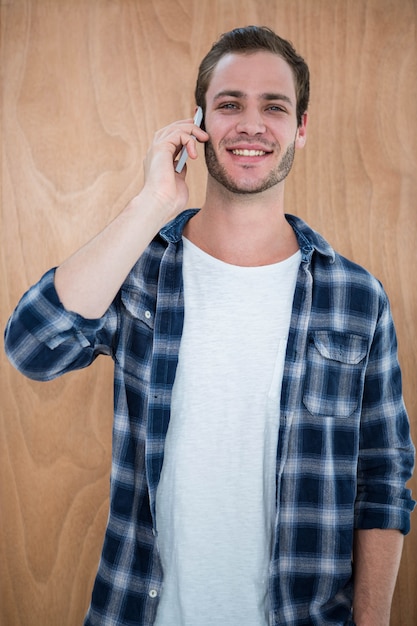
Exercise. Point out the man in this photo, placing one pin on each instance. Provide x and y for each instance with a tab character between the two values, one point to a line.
260	436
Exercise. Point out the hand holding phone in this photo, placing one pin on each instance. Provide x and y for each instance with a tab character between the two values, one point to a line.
198	118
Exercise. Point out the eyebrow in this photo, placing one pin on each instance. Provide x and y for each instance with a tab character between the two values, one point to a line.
230	93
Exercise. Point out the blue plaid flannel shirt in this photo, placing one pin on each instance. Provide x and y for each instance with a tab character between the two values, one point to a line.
344	452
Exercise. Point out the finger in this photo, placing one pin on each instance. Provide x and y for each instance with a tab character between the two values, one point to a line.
199	134
180	137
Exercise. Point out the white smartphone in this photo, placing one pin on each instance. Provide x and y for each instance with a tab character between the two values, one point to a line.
198	118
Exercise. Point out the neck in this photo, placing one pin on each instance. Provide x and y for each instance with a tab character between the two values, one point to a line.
243	229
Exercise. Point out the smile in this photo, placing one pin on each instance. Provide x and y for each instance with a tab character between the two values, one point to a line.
248	153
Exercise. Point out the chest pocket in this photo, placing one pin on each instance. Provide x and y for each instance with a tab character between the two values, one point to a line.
335	367
136	332
140	306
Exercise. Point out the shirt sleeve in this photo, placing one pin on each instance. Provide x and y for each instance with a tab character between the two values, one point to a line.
386	455
43	340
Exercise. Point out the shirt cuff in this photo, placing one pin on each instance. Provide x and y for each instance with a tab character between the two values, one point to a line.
44	316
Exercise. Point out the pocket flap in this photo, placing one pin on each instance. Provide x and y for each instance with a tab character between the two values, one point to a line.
139	305
342	347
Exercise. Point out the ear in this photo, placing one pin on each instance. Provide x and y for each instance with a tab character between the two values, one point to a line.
301	136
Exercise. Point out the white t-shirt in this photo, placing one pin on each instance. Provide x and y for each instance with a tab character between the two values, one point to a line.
215	503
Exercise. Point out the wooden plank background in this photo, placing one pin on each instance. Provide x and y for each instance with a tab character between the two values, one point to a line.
84	86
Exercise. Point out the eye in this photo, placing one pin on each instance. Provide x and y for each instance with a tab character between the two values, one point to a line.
228	106
276	108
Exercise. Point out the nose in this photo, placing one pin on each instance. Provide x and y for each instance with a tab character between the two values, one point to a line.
251	122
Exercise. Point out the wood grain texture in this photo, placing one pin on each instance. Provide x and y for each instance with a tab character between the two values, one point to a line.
84	87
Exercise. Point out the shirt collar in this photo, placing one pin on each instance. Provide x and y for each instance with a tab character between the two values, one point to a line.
308	239
172	232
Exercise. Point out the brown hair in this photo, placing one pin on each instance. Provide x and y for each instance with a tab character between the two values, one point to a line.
252	39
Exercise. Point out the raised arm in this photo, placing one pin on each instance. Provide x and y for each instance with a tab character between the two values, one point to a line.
89	280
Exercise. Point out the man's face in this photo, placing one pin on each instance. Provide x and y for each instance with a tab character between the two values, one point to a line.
252	123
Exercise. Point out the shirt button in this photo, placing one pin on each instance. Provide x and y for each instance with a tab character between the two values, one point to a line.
153	593
147	315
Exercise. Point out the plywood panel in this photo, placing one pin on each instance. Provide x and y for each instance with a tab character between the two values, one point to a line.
85	85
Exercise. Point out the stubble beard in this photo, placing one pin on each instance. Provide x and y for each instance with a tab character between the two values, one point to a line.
277	175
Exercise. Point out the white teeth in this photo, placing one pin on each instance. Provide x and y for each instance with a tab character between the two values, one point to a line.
248	153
